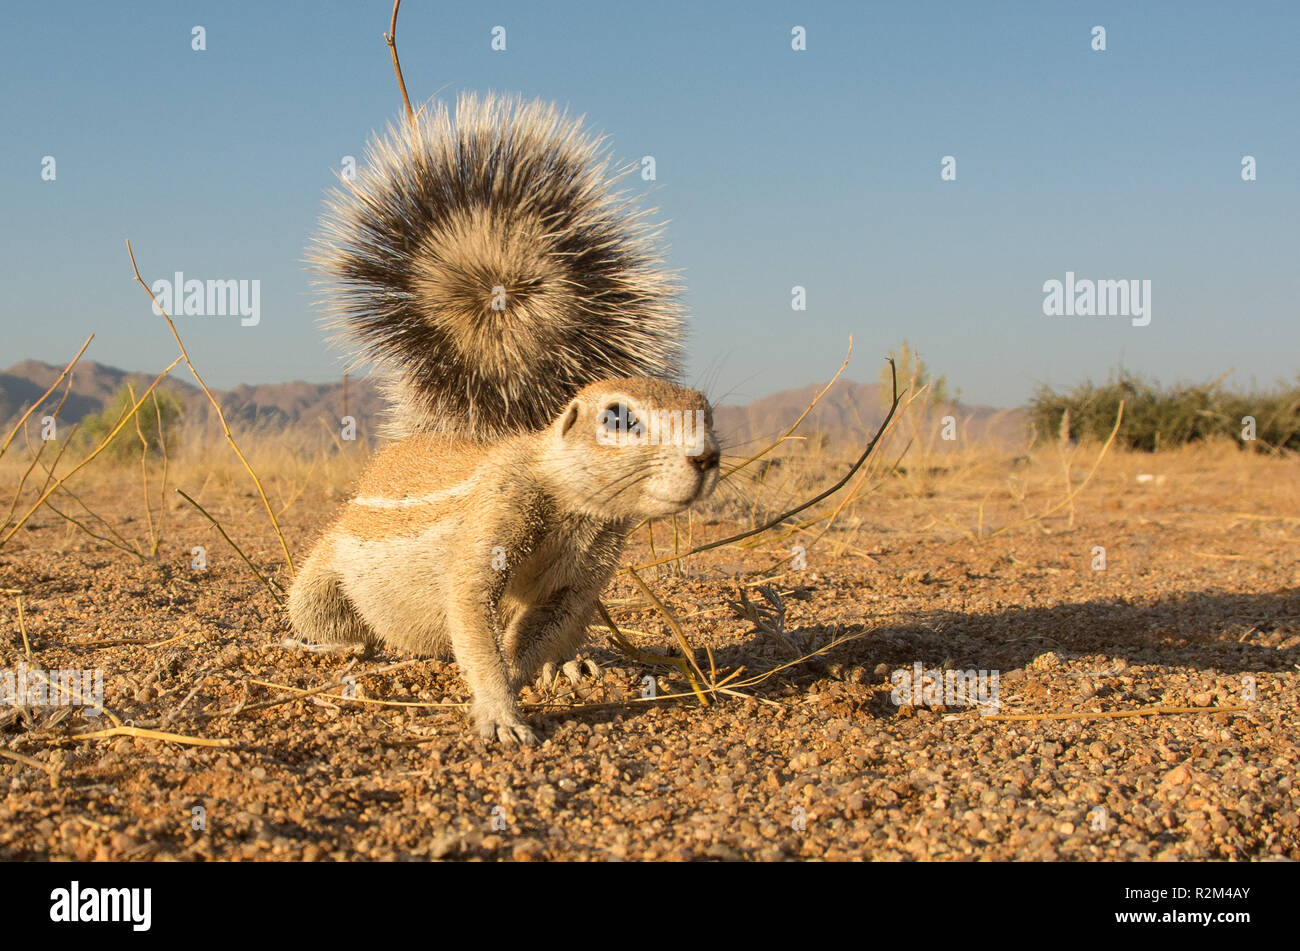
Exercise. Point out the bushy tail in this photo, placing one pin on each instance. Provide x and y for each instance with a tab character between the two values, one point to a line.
484	263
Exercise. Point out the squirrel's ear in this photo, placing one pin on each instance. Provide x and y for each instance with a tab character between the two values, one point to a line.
570	417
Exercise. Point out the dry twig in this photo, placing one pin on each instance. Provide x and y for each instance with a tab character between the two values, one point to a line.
276	591
391	39
221	417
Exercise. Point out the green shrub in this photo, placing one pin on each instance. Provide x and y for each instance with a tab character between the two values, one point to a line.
1160	418
909	366
126	444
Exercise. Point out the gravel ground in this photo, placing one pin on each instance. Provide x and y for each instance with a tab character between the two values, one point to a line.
1198	606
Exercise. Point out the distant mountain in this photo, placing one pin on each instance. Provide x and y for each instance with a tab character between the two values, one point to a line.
848	414
270	405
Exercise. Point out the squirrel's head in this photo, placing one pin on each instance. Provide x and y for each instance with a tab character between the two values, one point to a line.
632	447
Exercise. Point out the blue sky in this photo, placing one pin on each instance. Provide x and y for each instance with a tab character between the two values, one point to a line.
775	168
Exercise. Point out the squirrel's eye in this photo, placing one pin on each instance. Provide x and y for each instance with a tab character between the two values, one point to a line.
618	416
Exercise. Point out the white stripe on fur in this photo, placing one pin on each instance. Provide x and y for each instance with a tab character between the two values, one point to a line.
431	498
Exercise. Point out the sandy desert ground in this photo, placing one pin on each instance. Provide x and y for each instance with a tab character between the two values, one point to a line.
809	756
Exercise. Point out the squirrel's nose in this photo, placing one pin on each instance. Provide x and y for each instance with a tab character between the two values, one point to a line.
706	460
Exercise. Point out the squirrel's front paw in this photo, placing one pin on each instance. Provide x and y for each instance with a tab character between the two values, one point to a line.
504	725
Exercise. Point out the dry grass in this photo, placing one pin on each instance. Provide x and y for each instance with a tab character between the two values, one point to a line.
733	628
1007	519
146	491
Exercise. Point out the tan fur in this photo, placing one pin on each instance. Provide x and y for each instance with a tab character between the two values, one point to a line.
497	552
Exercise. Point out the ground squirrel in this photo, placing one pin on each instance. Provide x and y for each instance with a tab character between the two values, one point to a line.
527	334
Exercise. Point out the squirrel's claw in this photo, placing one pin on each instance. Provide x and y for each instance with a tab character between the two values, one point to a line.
505	727
516	733
575	670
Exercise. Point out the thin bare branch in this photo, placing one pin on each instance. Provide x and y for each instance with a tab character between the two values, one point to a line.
391	39
275	589
866	453
85	462
275	523
53	386
808	409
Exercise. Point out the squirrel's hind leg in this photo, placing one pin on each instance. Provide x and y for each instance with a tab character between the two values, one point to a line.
547	638
319	610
